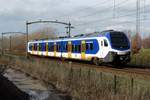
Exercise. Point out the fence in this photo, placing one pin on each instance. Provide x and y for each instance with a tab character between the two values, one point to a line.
85	83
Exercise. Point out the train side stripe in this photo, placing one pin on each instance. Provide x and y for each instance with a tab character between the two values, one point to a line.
83	50
32	48
46	49
69	49
55	49
37	48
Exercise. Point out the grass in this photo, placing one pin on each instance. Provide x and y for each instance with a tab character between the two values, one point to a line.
85	83
142	58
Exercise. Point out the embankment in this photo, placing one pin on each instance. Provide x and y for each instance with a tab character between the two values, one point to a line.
84	83
8	91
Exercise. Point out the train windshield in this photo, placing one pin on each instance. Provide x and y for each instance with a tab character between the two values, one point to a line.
119	40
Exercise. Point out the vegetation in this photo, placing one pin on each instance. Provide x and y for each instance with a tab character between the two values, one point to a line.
85	83
18	41
136	43
146	42
141	59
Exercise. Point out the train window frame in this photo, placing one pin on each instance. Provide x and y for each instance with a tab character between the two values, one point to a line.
101	43
89	46
76	48
66	47
57	47
79	48
73	47
40	46
44	46
30	46
35	46
105	43
52	48
49	47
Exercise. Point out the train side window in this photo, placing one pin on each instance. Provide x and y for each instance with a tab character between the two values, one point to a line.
87	46
73	48
57	47
91	46
35	47
52	47
76	48
49	47
40	46
66	48
79	48
105	43
30	47
44	46
101	43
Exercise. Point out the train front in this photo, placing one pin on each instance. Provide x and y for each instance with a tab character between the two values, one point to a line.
120	47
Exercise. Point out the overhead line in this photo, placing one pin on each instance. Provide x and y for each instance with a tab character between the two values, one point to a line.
94	13
65	15
131	14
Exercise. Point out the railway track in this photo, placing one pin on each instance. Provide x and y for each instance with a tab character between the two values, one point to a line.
130	70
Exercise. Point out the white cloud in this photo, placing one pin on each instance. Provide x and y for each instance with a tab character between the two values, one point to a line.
89	13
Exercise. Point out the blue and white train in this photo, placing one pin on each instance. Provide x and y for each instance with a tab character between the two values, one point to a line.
108	46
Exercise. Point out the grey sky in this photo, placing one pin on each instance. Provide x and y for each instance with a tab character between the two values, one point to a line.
85	15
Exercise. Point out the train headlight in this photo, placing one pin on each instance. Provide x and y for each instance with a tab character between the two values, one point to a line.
121	58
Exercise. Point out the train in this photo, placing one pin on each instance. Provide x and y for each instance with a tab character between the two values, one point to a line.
108	46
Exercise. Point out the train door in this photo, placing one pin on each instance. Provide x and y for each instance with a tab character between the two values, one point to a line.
104	48
46	48
37	48
55	48
33	48
83	49
69	49
61	49
43	48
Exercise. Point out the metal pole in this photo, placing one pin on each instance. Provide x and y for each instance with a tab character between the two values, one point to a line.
66	30
114	10
10	44
115	84
69	29
34	22
138	17
2	43
144	9
27	39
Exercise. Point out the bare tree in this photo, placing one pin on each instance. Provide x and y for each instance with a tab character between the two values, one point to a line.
136	43
146	42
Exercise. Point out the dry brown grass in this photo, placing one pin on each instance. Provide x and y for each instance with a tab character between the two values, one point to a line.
84	83
142	58
18	41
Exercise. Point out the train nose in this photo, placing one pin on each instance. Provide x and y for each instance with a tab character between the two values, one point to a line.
123	53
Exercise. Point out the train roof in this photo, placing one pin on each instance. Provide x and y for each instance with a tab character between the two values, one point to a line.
89	35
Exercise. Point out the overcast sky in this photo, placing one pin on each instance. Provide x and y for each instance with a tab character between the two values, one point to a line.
85	15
